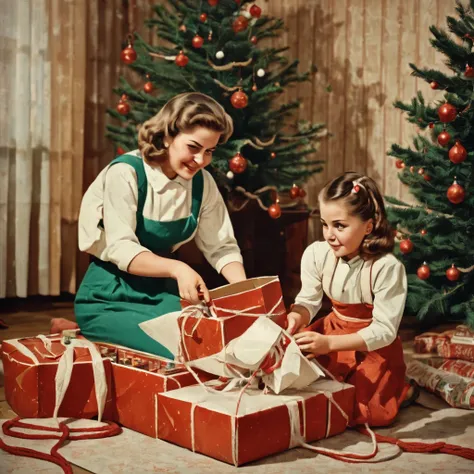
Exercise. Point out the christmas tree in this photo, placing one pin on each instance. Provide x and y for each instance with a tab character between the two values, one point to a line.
213	47
437	235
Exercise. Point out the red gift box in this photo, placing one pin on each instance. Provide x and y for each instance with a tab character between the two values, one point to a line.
235	308
138	377
450	344
30	371
264	424
463	368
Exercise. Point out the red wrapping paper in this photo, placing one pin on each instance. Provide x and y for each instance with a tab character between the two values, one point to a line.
265	424
30	381
138	377
203	336
463	368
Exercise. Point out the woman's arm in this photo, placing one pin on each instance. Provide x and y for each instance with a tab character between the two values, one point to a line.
234	272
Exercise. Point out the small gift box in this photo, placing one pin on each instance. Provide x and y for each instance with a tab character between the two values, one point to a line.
238	428
233	309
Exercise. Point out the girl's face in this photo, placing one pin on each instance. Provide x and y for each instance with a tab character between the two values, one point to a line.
189	151
342	231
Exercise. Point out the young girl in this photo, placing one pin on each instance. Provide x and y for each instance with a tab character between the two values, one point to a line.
357	342
140	209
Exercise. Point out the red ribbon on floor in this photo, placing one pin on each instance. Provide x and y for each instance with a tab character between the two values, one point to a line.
417	447
62	433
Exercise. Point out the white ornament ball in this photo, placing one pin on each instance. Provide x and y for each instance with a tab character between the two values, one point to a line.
220	54
260	72
230	175
246	14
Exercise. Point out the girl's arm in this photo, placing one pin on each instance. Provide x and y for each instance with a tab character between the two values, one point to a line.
308	301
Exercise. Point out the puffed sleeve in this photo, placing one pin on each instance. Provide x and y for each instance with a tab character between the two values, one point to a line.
120	208
311	293
390	292
215	235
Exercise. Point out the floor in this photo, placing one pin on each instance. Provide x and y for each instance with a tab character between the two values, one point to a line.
30	318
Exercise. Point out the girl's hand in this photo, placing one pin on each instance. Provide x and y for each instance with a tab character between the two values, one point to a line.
296	322
313	342
190	283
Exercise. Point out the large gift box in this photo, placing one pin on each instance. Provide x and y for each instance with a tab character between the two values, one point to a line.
32	388
238	427
233	309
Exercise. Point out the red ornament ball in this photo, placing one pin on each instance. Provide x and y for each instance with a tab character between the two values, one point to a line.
453	274
120	151
253	40
423	272
240	24
213	3
421	171
255	88
456	193
457	154
423	231
427	177
128	55
274	211
198	41
255	11
148	87
203	17
273	155
434	85
444	138
469	72
294	192
406	246
238	164
181	60
431	125
399	164
123	108
302	193
447	113
239	100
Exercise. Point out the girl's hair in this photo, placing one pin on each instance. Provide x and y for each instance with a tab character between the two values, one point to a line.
179	114
362	197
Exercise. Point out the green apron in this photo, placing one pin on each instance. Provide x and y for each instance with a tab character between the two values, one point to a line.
111	303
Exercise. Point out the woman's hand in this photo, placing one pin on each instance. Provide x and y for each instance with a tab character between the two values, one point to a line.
313	342
190	284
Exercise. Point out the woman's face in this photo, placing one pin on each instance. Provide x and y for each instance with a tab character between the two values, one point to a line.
189	152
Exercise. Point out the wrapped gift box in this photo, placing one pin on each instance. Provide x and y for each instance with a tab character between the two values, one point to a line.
463	368
138	377
235	307
450	344
456	390
30	371
264	424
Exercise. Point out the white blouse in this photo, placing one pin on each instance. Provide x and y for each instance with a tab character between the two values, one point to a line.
389	286
113	197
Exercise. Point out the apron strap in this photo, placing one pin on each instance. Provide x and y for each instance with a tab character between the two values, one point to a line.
198	187
329	269
366	282
137	164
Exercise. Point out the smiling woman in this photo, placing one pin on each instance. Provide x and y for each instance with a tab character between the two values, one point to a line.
140	209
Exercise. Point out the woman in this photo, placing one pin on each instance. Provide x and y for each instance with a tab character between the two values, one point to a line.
140	209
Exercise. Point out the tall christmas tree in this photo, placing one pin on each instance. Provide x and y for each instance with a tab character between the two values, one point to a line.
437	235
213	47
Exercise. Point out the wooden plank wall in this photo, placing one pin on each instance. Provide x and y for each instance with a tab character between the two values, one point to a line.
362	49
